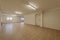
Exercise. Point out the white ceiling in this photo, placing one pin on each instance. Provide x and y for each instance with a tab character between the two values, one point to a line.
9	6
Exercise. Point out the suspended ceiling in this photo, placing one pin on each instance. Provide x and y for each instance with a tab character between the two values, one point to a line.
10	6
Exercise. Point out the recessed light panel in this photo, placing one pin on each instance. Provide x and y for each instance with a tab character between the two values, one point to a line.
17	12
32	6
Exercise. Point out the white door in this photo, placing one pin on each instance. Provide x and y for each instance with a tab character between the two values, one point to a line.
37	18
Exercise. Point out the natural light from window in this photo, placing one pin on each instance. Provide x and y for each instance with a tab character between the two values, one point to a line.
9	18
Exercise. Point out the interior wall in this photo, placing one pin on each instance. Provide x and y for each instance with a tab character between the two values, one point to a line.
39	19
34	18
15	19
51	19
0	23
29	19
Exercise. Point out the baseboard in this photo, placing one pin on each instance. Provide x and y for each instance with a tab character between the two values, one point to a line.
32	24
51	28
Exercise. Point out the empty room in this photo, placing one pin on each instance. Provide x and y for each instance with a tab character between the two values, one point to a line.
29	19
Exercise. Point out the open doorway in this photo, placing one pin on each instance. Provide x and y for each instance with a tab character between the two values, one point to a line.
37	19
22	19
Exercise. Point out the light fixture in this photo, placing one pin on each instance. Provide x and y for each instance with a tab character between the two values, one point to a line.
32	6
17	12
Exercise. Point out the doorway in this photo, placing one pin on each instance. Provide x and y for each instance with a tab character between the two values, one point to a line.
37	19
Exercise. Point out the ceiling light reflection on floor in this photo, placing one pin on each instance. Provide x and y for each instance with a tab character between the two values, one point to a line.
8	29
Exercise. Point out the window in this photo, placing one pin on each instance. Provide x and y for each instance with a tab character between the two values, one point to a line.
22	18
9	18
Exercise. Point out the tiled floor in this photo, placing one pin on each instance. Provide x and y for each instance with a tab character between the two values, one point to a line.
17	31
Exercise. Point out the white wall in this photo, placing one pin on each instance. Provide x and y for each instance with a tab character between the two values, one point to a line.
0	22
51	19
15	19
39	19
29	19
33	18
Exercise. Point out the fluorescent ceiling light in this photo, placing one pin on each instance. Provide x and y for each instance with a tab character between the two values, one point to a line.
31	7
18	12
9	15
